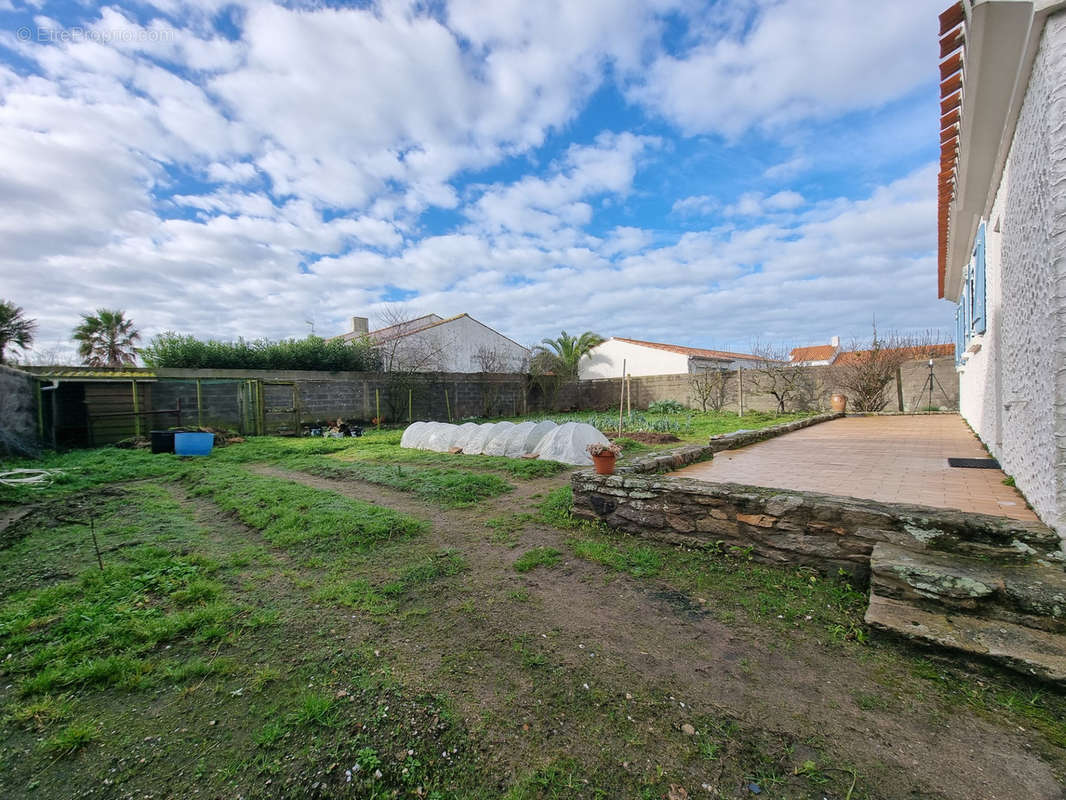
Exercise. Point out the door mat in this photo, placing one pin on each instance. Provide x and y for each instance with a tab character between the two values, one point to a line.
974	463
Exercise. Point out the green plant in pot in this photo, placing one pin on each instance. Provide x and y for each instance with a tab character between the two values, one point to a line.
603	457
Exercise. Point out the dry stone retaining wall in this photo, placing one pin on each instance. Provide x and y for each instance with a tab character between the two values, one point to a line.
825	532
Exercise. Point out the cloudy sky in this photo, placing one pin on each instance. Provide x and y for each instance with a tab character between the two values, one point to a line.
704	173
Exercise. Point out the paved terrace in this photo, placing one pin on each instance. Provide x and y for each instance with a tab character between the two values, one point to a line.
890	459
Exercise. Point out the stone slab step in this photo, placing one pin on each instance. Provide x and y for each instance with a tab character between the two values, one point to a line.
1034	653
1029	594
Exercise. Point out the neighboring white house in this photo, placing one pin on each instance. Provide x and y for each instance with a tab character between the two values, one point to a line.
654	358
1002	233
431	343
819	355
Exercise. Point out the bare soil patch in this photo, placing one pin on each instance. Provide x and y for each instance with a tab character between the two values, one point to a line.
606	645
645	437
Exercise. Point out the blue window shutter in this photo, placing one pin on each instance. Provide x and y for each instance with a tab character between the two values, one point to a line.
966	306
959	347
979	282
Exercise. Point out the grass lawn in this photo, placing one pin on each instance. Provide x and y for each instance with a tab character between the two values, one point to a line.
346	619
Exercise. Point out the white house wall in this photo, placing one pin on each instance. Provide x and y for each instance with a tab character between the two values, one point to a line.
457	346
1013	390
605	361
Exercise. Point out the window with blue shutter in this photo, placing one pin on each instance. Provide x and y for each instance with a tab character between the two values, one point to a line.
966	310
959	343
979	282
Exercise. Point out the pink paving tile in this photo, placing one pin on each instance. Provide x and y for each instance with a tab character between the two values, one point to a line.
897	459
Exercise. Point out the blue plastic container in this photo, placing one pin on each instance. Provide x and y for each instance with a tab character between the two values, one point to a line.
193	444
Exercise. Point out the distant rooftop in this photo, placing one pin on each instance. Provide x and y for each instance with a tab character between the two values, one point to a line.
694	352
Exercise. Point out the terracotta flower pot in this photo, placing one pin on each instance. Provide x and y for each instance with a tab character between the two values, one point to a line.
838	402
604	463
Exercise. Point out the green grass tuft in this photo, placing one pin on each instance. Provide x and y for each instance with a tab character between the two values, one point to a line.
71	739
100	629
290	514
537	557
640	561
360	594
316	710
450	488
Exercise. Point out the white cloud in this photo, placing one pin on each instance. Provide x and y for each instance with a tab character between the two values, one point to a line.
801	59
238	187
755	204
236	172
787	169
541	205
699	205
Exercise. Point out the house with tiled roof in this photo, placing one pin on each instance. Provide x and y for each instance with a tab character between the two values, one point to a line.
916	353
656	358
431	343
818	355
1001	248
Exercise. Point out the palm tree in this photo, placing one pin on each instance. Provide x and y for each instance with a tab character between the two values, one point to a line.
106	339
565	352
15	329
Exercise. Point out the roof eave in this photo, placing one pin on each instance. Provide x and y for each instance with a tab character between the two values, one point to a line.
996	75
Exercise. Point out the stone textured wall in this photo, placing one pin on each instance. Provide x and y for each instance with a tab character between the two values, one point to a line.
1014	388
779	526
18	411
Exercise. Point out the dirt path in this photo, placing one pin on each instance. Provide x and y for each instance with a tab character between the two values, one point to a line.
646	638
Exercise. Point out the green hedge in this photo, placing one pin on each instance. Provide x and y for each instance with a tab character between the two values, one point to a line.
173	350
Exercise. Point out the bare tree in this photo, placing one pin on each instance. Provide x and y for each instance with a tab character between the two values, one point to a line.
794	388
545	377
407	348
406	342
864	374
495	361
710	388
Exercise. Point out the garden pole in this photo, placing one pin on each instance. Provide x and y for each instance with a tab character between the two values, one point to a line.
136	411
899	388
199	406
40	410
377	405
409	391
622	399
447	405
740	389
96	544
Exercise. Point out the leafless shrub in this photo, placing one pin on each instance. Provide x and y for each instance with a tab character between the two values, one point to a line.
711	388
864	374
794	388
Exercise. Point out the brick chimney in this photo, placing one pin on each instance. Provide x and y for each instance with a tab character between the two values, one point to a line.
360	326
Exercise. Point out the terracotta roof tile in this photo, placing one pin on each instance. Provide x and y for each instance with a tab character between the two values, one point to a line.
695	352
820	352
927	351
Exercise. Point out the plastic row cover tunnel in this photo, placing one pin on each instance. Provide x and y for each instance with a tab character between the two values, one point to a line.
546	440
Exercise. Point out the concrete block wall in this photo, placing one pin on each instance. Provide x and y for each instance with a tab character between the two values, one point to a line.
604	393
317	397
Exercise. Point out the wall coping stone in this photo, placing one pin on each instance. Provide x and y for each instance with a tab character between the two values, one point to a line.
675	458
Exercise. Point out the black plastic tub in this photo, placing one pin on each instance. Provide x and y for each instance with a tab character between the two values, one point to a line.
162	441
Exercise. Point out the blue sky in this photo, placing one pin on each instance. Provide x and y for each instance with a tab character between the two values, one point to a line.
712	174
